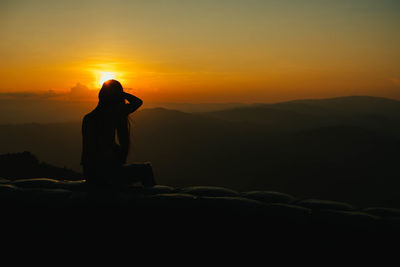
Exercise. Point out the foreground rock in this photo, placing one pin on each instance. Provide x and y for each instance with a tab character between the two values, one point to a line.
272	208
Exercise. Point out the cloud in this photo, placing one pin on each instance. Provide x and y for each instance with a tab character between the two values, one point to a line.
51	94
79	92
82	92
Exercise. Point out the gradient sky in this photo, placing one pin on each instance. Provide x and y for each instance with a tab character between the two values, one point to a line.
203	51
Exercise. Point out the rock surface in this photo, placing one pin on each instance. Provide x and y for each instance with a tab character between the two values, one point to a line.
274	208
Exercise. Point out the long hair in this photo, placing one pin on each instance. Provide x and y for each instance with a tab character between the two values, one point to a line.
110	96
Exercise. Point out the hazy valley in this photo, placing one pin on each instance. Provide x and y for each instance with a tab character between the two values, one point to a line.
342	149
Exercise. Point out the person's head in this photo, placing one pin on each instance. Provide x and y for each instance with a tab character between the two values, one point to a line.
111	94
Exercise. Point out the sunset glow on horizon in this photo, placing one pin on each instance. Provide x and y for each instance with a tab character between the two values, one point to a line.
204	51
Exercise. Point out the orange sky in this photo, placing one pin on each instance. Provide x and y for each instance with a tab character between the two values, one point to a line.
203	51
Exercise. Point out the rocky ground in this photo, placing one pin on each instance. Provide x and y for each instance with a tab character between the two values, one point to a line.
206	204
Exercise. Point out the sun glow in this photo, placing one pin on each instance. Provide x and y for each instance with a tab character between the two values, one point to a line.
105	76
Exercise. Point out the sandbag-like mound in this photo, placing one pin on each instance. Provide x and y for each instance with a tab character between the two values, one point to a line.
288	212
42	197
78	185
269	196
37	183
230	205
7	188
318	204
265	209
44	193
8	191
166	202
383	212
390	218
209	191
157	189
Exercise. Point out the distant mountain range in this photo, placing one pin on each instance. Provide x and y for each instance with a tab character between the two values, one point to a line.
26	165
344	149
363	111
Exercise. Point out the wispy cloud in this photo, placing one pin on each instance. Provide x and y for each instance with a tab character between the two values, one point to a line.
31	95
79	92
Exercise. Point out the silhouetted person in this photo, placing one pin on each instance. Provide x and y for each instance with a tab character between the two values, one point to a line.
103	158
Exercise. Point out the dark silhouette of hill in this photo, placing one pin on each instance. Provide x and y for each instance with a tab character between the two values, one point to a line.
30	107
26	165
343	149
355	104
363	111
55	143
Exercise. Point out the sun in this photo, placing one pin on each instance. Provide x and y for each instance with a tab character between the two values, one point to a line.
105	76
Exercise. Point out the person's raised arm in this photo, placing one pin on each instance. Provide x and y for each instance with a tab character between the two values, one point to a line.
133	103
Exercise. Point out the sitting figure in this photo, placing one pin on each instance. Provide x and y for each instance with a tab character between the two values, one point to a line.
106	141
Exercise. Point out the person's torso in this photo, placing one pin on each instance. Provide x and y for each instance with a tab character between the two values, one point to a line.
100	149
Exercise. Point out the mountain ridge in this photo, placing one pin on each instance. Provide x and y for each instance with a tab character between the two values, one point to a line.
327	157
